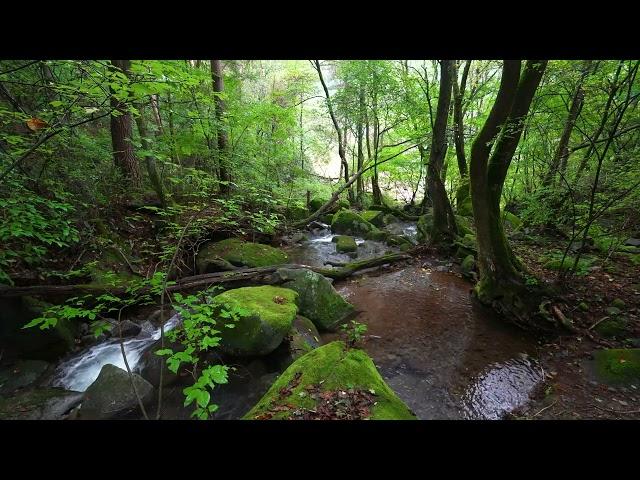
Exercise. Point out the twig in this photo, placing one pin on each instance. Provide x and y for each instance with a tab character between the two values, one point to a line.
535	415
617	411
601	320
126	364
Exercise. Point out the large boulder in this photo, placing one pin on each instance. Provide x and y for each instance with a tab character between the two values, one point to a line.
238	253
301	339
111	394
317	299
21	374
348	222
39	404
375	217
267	313
34	343
331	382
150	364
345	244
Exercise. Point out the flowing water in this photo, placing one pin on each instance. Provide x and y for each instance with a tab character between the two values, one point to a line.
445	355
80	371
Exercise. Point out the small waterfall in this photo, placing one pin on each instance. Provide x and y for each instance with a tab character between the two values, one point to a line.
80	371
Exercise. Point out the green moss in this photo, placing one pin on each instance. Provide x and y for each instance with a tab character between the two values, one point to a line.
583	306
398	241
317	299
618	303
612	327
348	222
464	225
618	365
239	253
389	218
332	367
345	244
465	208
377	235
556	263
316	202
468	264
270	311
375	217
424	227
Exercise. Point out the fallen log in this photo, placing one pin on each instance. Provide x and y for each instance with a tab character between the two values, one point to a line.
394	211
242	275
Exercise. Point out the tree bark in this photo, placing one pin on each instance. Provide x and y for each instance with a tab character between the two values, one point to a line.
444	224
501	284
121	132
223	139
149	159
458	117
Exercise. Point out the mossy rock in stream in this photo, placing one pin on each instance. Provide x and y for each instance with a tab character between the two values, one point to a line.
330	368
264	316
47	403
317	299
345	244
316	202
239	254
348	222
389	218
301	339
618	365
21	374
375	217
377	235
399	241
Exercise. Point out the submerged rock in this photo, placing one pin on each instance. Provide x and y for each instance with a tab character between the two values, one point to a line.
112	395
330	369
317	299
348	222
239	254
267	315
377	235
301	339
39	404
345	244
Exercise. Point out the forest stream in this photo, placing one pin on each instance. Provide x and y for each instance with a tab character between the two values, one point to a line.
446	356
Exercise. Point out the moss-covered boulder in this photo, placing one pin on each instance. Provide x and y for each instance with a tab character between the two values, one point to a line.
296	212
327	218
618	365
345	244
21	374
237	253
301	339
468	265
316	202
111	394
618	303
317	299
399	241
348	222
377	235
45	403
263	317
332	370
557	263
34	343
375	217
612	327
465	208
389	218
464	225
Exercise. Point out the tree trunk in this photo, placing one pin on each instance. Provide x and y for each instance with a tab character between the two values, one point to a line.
223	140
360	133
444	224
458	117
149	159
501	284
121	133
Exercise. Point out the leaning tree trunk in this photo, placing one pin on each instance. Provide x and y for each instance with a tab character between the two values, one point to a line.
156	182
444	224
360	133
223	140
458	123
502	282
121	132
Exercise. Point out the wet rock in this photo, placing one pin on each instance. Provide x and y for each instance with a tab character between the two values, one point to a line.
317	299
127	328
348	222
34	343
613	311
377	235
21	374
330	368
612	327
266	316
45	403
301	339
633	242
150	364
345	244
111	394
388	219
299	237
583	306
238	254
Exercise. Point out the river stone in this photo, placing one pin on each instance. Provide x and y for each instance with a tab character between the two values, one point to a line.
268	314
375	217
237	253
317	299
330	368
348	222
618	365
21	374
34	343
633	242
150	364
345	244
301	339
112	395
46	403
377	235
129	329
